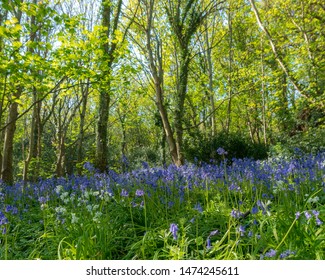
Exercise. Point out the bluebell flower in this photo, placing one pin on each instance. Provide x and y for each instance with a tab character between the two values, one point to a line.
198	207
174	229
236	214
318	221
209	243
214	232
286	254
241	230
88	166
316	213
124	193
307	215
221	151
3	219
11	209
297	215
271	253
139	192
254	210
234	187
43	199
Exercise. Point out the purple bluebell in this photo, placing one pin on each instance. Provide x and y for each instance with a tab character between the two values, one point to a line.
316	213
174	229
214	232
139	192
297	215
270	254
11	209
307	215
124	193
43	199
234	187
3	219
241	229
236	214
286	254
318	221
221	151
209	243
254	210
88	166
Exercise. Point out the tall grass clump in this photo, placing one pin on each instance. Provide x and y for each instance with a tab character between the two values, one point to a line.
272	209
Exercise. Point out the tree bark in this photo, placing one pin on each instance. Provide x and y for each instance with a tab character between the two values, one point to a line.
7	157
104	95
157	75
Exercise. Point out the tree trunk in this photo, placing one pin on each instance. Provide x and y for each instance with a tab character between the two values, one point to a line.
85	93
102	129
32	150
229	82
211	91
180	100
7	158
109	49
157	75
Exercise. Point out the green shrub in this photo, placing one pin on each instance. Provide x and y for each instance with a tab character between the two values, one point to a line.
201	148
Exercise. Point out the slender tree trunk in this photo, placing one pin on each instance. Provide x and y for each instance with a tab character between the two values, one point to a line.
104	96
230	83
263	96
32	149
157	75
102	131
81	127
60	163
211	91
7	159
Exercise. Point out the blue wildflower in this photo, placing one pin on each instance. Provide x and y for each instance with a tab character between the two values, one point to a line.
297	215
209	243
124	193
3	219
286	254
43	200
139	192
221	151
88	166
174	229
236	214
270	254
214	232
241	230
318	221
316	213
307	215
254	210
